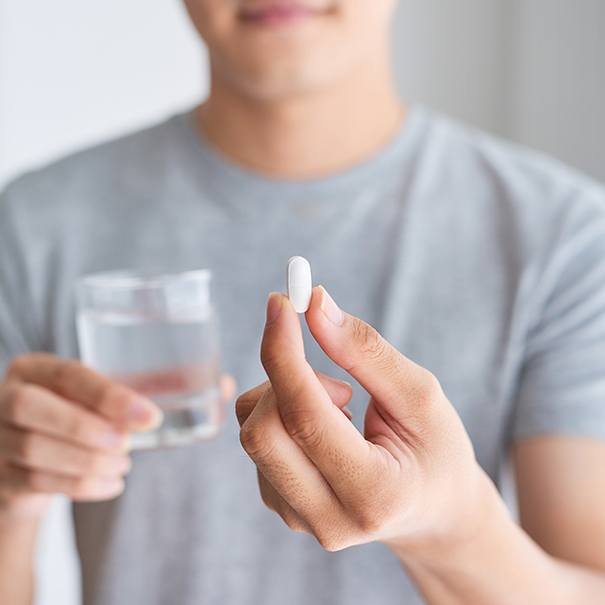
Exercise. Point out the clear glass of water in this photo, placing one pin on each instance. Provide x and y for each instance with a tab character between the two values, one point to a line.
157	334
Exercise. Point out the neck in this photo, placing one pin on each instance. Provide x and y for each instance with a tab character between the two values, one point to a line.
310	136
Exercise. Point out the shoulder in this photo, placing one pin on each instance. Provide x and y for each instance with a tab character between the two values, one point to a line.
88	175
520	173
533	197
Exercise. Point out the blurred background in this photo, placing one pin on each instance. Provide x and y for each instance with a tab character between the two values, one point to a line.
73	73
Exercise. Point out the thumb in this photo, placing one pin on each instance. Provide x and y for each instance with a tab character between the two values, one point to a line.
387	375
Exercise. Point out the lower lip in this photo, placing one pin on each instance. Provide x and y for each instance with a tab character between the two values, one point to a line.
279	16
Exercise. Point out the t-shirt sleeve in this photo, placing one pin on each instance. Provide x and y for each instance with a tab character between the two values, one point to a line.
562	385
17	329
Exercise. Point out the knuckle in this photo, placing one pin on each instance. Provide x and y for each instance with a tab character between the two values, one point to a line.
16	366
267	500
27	448
17	403
430	390
271	357
255	442
35	480
252	394
368	522
302	426
329	541
242	408
293	521
240	414
371	343
63	371
9	405
241	400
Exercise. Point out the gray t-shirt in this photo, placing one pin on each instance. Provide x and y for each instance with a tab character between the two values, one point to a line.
482	262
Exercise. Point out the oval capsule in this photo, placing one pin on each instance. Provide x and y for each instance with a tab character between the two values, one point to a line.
300	283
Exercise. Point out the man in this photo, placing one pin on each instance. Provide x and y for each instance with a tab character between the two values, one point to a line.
482	263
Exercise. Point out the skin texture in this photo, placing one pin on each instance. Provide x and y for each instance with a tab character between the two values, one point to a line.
567	474
411	481
63	430
297	101
345	485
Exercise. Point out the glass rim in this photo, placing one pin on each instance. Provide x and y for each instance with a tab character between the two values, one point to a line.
133	279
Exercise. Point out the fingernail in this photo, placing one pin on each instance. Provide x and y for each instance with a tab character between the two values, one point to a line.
274	305
144	413
330	308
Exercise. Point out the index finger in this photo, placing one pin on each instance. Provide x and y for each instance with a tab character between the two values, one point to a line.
125	408
332	443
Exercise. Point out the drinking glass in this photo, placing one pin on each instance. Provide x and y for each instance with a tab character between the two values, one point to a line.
158	334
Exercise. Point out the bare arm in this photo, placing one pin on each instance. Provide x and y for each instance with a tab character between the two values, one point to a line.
17	544
557	557
561	485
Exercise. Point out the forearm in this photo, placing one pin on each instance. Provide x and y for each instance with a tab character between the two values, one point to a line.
17	548
500	565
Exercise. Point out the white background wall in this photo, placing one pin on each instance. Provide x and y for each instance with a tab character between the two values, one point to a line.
72	72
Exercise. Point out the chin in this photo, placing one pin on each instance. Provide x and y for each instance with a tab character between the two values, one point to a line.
283	81
280	48
294	71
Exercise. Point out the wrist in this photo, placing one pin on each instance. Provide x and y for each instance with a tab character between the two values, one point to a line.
477	519
15	521
19	513
494	561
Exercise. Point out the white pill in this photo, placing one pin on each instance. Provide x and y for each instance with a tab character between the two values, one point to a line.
300	284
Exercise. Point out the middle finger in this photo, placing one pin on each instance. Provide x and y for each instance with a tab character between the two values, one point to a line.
42	452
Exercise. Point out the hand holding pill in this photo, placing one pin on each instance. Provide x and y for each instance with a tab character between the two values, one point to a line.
410	480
